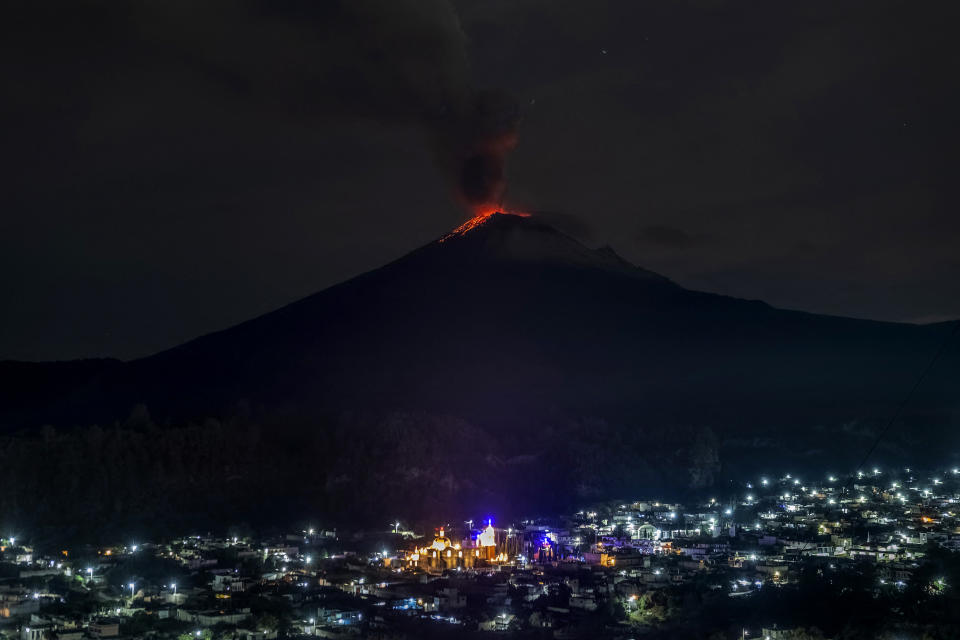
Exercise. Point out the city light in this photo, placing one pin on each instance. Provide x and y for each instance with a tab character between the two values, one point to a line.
602	542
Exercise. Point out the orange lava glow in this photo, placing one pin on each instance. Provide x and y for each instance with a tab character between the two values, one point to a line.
483	214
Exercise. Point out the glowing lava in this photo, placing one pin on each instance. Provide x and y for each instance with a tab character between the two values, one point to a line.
482	216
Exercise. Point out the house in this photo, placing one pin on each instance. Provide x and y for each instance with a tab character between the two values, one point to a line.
106	628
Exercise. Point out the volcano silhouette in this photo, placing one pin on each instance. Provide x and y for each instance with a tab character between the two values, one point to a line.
509	323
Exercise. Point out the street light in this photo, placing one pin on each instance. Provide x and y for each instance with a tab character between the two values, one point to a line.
174	585
131	589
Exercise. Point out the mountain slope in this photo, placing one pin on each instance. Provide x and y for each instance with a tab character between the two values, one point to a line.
509	323
505	368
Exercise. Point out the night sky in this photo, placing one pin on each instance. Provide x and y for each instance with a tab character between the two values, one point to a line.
172	168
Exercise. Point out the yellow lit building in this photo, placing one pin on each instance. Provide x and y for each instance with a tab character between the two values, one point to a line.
442	554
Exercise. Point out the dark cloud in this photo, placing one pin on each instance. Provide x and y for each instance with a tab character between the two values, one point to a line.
393	61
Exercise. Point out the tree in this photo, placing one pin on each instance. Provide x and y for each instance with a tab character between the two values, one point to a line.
267	622
704	459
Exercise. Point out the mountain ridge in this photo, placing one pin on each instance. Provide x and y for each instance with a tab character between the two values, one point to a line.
506	320
508	369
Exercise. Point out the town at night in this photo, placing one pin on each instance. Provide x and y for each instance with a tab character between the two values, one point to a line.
780	557
519	319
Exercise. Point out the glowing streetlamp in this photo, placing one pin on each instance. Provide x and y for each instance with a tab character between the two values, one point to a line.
131	589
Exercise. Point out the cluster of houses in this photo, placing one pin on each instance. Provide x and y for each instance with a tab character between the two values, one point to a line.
610	561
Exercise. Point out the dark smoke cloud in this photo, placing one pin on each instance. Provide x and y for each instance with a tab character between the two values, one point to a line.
399	61
488	133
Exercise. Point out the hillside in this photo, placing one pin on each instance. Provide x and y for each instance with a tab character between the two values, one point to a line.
506	339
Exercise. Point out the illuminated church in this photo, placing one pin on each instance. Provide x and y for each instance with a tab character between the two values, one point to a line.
442	554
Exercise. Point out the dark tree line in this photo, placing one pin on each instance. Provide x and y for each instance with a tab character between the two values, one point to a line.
102	484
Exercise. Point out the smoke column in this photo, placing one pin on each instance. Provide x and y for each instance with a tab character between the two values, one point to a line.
402	61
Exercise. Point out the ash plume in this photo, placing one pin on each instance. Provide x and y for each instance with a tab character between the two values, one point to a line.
489	133
401	61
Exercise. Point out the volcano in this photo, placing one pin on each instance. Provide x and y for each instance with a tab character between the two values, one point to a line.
536	341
